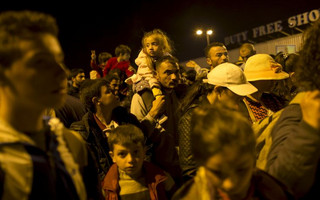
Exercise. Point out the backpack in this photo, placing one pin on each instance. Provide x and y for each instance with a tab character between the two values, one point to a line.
262	130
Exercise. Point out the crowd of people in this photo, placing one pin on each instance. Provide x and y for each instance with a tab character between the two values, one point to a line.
232	131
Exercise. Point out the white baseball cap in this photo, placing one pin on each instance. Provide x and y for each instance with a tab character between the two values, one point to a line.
232	77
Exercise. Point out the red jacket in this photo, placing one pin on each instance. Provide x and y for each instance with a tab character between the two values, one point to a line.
113	64
154	177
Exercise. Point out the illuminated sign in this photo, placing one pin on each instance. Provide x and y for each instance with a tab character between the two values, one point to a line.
274	27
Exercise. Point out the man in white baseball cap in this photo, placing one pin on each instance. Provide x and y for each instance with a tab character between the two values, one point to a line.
225	84
230	84
230	76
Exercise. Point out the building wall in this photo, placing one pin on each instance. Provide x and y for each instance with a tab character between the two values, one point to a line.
268	47
272	46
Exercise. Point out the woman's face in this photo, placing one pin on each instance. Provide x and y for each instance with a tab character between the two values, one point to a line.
230	171
108	101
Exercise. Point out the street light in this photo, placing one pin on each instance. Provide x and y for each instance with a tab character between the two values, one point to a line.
208	33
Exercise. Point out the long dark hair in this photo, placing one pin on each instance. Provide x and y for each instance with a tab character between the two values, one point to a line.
195	91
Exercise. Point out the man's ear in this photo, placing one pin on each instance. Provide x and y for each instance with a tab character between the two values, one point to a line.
209	61
217	90
112	156
95	100
292	74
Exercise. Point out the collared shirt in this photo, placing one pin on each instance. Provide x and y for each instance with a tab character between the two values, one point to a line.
105	128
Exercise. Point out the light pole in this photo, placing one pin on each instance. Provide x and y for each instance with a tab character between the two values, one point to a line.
208	33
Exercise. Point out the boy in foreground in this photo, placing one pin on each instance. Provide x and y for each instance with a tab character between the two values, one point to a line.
131	177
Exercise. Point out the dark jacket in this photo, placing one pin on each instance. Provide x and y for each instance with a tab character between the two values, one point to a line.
72	111
74	91
187	163
295	152
97	140
164	136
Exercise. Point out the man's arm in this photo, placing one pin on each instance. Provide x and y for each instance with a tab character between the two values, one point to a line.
148	118
295	149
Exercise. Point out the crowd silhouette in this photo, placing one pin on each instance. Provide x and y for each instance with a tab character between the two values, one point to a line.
155	129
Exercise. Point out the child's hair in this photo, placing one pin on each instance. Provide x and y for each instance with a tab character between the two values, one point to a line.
164	41
104	57
122	49
215	126
124	135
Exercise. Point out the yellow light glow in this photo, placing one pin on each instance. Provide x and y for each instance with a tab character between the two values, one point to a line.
199	32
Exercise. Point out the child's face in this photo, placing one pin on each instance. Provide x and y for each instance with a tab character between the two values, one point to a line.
153	47
124	57
231	170
129	158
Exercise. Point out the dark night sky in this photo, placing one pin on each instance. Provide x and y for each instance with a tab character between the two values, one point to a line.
104	25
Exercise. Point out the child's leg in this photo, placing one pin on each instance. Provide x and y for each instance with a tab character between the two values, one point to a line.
156	92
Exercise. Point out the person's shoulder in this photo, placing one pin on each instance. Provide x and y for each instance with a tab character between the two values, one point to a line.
79	124
270	187
73	101
152	168
80	127
292	110
110	181
186	191
121	115
112	60
141	58
73	137
155	173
